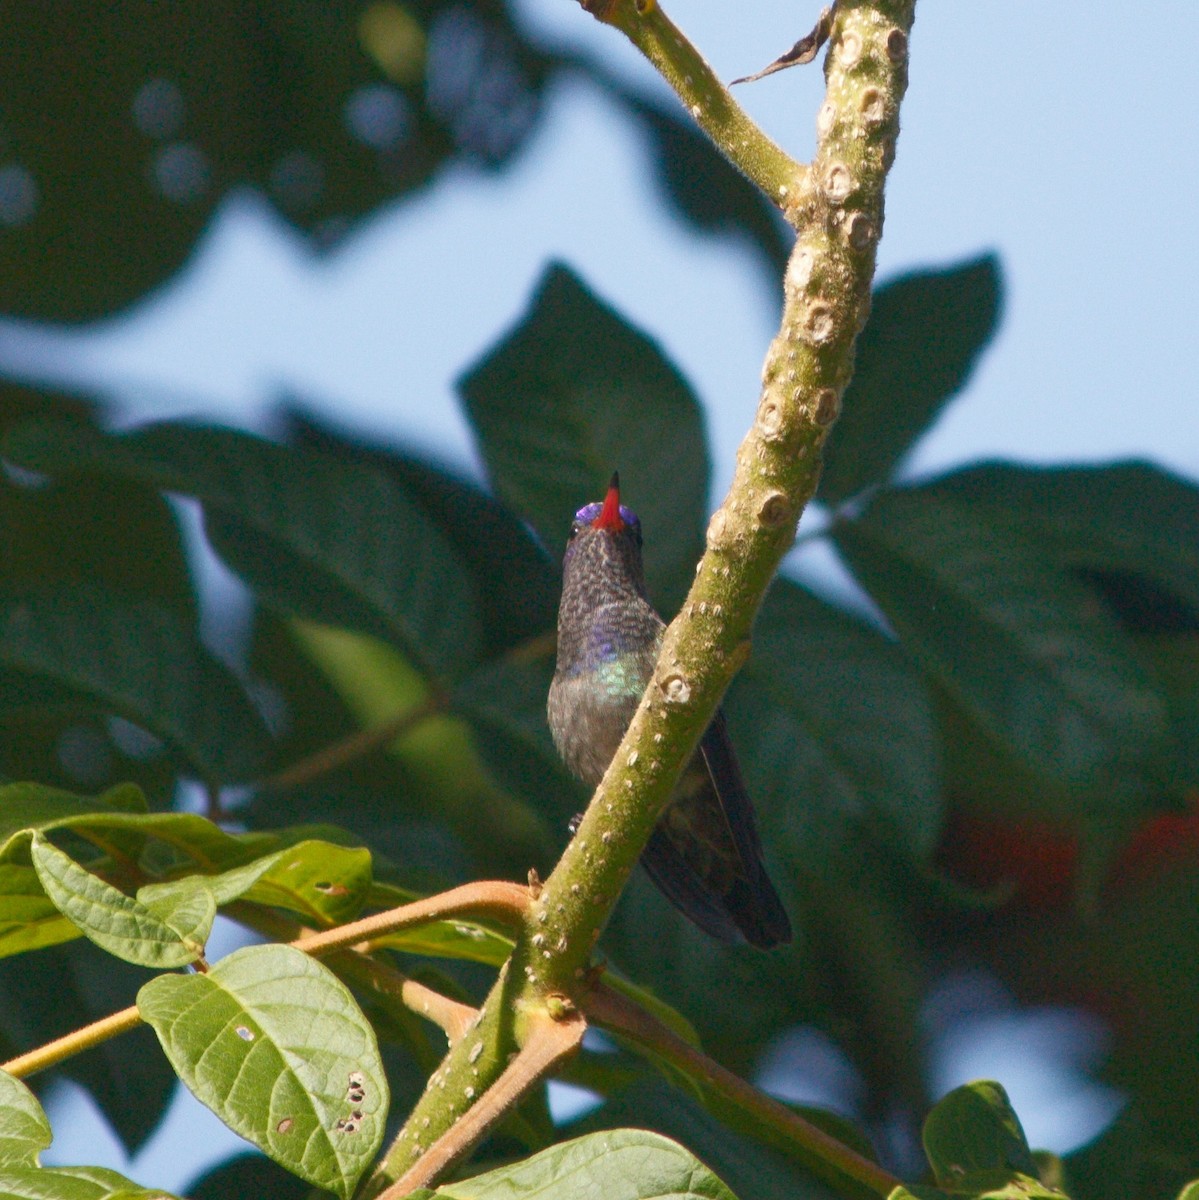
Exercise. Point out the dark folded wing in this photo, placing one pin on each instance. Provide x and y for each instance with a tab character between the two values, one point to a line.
705	855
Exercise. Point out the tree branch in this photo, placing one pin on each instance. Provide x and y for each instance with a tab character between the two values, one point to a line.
707	99
838	208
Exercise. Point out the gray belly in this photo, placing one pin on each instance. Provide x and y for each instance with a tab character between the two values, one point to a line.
587	724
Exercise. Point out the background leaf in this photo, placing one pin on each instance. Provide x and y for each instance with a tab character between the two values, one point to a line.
607	399
150	118
141	661
925	335
987	608
626	1164
286	518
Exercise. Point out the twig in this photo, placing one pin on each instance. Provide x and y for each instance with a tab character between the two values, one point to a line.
507	902
70	1044
608	1008
707	99
548	1043
354	746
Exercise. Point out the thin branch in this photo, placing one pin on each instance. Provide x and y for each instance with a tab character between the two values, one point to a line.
708	101
548	1043
506	902
70	1044
356	745
611	1010
453	1017
497	899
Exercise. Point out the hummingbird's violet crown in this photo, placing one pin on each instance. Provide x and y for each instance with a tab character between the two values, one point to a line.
611	514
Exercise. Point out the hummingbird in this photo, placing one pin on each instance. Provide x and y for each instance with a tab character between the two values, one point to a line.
704	853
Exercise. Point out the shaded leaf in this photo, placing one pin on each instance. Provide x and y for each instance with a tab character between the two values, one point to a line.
142	661
984	605
130	126
974	1131
704	186
1132	517
112	532
925	335
274	1044
332	541
248	1175
24	1130
575	392
624	1164
515	581
161	932
836	732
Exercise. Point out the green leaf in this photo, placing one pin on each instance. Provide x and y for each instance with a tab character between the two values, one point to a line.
747	1166
129	159
1121	517
120	535
830	711
24	1130
245	1175
574	393
974	1131
983	604
161	932
704	186
624	1164
333	541
321	881
28	918
140	660
71	1183
317	879
273	1043
925	335
515	580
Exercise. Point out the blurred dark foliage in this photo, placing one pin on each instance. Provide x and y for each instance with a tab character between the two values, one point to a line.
1001	772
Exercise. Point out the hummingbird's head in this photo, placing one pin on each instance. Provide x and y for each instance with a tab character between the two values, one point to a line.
605	544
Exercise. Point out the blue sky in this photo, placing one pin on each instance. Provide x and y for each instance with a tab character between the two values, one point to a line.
1063	136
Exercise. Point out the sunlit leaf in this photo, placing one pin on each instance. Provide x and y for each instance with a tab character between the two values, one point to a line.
71	1183
160	932
24	1130
274	1044
624	1164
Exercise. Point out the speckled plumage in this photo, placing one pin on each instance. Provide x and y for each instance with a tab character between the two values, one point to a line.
704	854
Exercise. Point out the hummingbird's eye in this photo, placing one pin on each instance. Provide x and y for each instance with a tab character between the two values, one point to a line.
574	531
